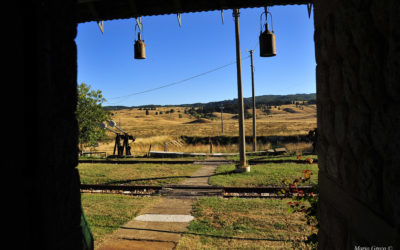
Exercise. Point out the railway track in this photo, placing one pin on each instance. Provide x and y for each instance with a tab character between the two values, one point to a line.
189	191
136	161
205	162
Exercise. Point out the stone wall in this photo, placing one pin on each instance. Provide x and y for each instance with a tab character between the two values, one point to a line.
357	46
51	201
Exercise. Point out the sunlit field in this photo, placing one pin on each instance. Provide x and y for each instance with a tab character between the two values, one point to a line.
157	129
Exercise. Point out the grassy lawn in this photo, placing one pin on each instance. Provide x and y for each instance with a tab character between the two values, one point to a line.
106	213
262	174
135	174
273	158
281	157
244	224
186	158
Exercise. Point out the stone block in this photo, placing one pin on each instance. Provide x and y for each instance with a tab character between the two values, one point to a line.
343	37
379	132
336	82
322	76
318	48
332	221
391	71
324	41
371	77
380	18
350	76
391	195
370	179
341	117
322	148
348	170
359	125
323	239
332	162
327	117
361	30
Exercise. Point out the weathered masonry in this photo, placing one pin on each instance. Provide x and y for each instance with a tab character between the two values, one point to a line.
357	50
357	44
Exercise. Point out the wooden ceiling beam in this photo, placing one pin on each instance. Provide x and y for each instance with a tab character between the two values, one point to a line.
122	9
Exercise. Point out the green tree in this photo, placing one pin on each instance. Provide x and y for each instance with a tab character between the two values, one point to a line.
90	114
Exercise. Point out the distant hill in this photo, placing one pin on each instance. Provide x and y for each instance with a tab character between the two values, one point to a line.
231	105
272	100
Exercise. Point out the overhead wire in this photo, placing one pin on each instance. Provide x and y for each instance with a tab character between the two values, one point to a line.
125	97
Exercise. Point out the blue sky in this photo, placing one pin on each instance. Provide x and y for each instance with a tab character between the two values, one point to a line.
202	43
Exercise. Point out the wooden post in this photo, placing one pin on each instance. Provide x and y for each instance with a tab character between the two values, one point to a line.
254	104
242	141
222	120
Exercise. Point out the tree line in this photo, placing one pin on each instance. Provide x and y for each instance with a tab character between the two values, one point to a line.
230	106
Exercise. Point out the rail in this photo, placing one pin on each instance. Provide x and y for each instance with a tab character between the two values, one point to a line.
196	191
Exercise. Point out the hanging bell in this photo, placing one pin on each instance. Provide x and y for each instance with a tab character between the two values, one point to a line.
267	43
267	38
140	48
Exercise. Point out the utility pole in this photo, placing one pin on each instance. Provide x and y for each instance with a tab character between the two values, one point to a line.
242	149
254	103
222	121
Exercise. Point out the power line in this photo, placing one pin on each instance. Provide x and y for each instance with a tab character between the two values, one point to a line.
173	83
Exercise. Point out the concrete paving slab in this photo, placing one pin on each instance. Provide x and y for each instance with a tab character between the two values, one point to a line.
150	230
201	176
165	217
170	206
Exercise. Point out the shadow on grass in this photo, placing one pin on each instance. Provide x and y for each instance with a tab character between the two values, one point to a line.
206	235
163	178
258	161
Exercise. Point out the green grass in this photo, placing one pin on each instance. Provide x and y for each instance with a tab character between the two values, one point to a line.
106	213
243	224
135	174
186	158
281	157
263	175
273	158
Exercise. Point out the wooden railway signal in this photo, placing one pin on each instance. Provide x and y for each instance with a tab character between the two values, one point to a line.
121	139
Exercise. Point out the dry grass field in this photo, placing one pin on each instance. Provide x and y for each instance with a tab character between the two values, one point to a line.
155	129
239	223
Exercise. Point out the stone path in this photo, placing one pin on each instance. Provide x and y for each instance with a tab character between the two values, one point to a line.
159	226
